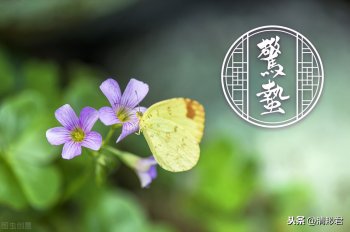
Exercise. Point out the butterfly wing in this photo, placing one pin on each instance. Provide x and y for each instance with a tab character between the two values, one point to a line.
174	149
182	111
173	129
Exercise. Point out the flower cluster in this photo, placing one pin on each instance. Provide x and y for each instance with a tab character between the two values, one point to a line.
122	110
76	132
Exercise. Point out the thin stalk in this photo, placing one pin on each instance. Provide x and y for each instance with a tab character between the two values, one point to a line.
128	158
110	134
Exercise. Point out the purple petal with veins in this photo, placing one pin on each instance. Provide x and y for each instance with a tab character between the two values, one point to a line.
71	149
134	93
110	88
128	128
67	117
88	118
108	116
93	140
58	135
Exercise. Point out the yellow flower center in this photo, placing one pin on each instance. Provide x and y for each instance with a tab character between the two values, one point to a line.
122	115
78	135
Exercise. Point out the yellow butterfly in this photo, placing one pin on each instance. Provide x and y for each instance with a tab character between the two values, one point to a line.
173	130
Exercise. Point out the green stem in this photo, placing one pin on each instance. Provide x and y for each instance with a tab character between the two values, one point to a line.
113	150
110	134
128	158
94	153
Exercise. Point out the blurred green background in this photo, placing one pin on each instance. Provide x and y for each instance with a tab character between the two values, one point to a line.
248	179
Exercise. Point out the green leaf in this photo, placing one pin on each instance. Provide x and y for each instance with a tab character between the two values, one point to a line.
10	192
234	180
113	211
40	184
32	145
17	114
41	77
26	151
29	159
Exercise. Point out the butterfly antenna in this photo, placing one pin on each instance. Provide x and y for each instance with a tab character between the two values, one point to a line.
138	105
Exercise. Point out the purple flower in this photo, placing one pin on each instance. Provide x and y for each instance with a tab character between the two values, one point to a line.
123	110
146	170
76	132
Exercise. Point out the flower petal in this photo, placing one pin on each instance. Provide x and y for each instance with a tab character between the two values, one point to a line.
146	178
88	117
71	150
111	90
67	117
153	172
108	116
93	140
58	135
134	93
145	164
128	128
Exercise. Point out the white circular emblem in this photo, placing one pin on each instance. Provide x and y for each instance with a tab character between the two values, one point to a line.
272	76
